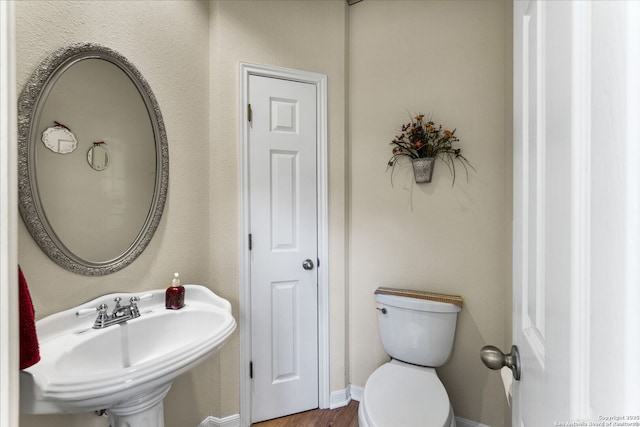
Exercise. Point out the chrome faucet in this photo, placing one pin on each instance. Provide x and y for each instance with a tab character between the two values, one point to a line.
119	314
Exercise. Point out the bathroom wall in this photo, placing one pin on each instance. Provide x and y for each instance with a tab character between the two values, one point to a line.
168	42
384	60
273	33
445	58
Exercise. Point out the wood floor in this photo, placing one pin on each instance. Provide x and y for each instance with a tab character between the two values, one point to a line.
346	416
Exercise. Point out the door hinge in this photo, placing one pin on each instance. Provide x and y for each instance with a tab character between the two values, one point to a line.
249	113
250	242
251	370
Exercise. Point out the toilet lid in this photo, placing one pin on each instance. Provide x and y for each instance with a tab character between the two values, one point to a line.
397	394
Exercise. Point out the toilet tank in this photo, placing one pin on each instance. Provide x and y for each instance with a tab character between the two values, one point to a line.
415	330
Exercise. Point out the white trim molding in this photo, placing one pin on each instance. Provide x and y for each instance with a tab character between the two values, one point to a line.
9	358
632	273
230	421
356	392
580	285
340	398
462	422
320	81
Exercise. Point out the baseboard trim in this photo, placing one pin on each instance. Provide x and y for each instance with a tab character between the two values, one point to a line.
337	399
230	421
340	398
461	422
356	392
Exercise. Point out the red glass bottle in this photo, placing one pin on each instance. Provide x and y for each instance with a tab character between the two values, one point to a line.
174	299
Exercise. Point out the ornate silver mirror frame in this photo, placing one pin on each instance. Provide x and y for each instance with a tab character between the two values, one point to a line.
31	209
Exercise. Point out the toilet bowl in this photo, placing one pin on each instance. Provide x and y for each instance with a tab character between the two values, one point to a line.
399	394
418	335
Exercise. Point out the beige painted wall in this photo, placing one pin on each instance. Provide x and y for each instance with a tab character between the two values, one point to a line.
446	58
431	236
273	33
168	43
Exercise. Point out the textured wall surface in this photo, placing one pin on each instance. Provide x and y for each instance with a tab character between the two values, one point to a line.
384	60
445	58
168	43
272	33
174	44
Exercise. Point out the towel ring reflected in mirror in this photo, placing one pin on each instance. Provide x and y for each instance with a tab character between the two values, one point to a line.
93	210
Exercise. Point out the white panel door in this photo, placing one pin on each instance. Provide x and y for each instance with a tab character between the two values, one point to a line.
542	217
283	222
576	212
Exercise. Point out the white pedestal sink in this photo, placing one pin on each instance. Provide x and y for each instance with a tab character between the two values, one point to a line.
127	368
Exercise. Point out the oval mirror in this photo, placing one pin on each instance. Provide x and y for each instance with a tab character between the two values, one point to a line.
93	159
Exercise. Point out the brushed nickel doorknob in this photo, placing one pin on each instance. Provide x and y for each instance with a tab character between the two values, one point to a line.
307	264
494	358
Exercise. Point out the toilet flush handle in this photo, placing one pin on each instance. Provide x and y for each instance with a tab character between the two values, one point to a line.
382	310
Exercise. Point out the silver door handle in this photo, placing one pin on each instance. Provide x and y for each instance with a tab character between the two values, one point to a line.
307	264
493	358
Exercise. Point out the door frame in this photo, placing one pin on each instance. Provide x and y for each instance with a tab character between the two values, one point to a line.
9	324
320	82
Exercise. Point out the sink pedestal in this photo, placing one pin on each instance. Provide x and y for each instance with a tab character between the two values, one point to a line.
141	411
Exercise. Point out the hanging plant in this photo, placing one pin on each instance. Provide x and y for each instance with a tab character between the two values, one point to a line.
423	142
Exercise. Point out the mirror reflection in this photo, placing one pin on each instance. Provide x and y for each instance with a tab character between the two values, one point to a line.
101	221
97	216
98	157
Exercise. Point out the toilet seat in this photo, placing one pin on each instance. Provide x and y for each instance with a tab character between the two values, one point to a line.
399	394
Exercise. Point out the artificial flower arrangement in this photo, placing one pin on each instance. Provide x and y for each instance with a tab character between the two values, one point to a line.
427	140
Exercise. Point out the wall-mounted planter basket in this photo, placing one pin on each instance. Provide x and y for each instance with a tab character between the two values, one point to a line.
423	169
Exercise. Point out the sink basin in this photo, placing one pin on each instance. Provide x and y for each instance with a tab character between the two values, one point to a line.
127	368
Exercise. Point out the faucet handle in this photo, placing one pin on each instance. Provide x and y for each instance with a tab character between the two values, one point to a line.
134	299
135	312
102	318
133	307
83	312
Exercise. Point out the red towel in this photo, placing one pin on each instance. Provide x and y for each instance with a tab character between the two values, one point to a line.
29	349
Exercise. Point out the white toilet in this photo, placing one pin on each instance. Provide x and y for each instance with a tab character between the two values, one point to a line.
417	330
